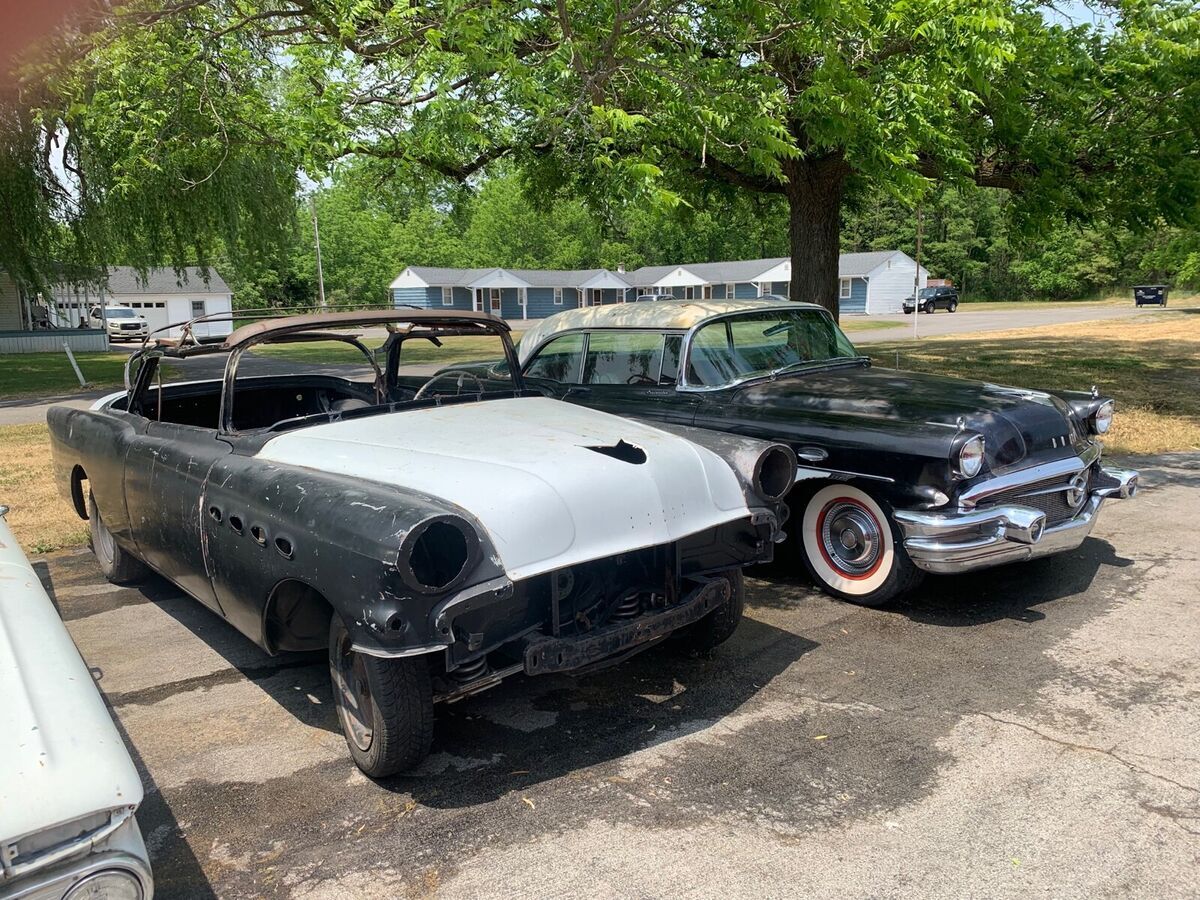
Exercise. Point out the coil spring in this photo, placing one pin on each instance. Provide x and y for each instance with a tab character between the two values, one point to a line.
471	670
629	607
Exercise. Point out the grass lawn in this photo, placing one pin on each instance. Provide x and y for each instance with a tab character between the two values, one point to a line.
1173	300
850	324
47	374
40	518
1152	368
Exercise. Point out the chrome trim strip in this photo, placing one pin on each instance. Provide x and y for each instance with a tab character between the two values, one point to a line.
810	472
381	653
1059	467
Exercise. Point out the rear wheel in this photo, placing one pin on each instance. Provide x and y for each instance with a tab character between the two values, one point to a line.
385	706
953	305
119	566
719	625
851	549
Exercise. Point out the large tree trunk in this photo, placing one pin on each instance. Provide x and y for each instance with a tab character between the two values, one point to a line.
814	194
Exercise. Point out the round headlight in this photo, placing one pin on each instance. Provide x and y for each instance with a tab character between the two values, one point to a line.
107	884
1102	418
970	457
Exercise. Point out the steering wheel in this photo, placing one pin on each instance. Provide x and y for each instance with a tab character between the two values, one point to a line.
461	373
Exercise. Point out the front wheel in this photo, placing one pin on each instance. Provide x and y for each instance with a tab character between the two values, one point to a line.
852	550
929	307
385	706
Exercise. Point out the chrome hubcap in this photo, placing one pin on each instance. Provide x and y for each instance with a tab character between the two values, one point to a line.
354	693
851	538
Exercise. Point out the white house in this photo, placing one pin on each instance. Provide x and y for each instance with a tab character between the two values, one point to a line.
510	293
163	298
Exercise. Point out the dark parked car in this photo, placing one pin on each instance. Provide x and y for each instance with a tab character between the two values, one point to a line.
900	473
434	533
931	299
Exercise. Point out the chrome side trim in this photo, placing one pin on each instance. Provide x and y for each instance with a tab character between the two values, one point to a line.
1055	469
809	472
383	653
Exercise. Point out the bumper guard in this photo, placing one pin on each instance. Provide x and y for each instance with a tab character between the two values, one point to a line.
962	541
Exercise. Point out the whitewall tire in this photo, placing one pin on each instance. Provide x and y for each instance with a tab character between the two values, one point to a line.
850	547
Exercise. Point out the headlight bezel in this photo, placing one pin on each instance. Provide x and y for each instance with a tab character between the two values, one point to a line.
969	456
1100	421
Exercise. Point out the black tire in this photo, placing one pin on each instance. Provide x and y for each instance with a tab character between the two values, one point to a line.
952	306
893	573
719	625
392	699
118	566
930	307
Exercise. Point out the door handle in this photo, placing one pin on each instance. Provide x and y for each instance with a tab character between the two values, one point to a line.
812	454
578	391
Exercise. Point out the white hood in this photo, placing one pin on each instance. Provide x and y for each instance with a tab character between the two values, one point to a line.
521	466
61	757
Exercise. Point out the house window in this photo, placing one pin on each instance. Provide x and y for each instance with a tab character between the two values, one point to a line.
558	297
729	291
197	308
447	296
844	289
495	292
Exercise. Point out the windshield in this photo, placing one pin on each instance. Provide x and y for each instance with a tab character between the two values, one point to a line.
736	348
120	313
928	292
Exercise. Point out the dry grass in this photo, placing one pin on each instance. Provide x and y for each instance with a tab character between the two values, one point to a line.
1151	366
40	518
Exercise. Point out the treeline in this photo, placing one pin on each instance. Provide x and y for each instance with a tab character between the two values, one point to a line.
371	228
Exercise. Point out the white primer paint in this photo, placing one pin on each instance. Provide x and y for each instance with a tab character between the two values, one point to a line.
521	466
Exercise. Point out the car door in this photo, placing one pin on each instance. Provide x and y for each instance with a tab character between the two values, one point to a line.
165	472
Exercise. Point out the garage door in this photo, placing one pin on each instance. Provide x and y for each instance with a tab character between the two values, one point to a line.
154	311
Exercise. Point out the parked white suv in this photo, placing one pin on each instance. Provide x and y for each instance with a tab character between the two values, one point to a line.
124	324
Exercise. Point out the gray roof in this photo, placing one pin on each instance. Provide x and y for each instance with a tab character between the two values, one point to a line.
437	276
190	280
743	270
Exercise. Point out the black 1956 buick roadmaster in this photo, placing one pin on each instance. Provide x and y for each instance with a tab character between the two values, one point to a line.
434	533
900	473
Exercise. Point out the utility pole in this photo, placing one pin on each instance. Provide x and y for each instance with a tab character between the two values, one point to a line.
917	275
312	200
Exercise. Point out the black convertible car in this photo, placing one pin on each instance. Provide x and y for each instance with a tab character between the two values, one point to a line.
900	473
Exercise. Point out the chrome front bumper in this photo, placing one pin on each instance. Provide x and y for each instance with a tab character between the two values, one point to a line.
964	540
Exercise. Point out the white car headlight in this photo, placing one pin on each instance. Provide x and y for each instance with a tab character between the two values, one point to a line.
970	457
107	884
1102	418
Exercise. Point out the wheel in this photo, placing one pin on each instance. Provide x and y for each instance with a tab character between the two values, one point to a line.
119	566
385	705
929	307
952	306
719	625
851	548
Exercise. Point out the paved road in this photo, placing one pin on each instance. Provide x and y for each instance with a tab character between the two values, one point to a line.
964	321
1028	731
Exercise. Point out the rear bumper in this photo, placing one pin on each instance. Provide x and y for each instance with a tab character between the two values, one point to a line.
962	541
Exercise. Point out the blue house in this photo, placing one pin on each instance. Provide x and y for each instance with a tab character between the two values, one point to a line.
872	283
509	293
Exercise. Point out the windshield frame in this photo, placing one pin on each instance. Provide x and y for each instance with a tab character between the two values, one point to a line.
685	352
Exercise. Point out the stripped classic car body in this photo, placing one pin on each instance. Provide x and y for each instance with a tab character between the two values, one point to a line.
471	534
899	472
69	789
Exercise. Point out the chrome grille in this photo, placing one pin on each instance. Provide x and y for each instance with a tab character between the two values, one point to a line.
1040	495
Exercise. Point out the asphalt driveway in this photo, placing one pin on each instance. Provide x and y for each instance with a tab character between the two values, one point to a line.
1031	730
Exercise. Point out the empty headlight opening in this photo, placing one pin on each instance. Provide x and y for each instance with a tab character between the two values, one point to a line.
438	554
775	473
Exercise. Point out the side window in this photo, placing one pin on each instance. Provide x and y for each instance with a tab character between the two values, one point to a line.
623	357
670	362
559	360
